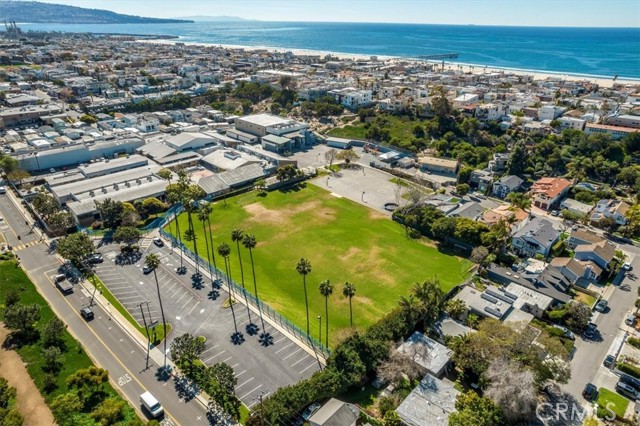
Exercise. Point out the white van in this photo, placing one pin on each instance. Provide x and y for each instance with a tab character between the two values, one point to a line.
149	402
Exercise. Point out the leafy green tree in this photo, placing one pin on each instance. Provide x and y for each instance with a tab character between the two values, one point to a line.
348	156
153	206
65	406
474	410
287	172
391	418
89	381
456	308
440	105
11	417
346	360
303	267
53	359
8	163
519	200
22	318
462	189
349	290
443	228
7	393
60	221
110	411
127	235
186	349
76	247
518	159
110	211
430	294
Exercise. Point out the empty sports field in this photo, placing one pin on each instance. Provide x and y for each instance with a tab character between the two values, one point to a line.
343	240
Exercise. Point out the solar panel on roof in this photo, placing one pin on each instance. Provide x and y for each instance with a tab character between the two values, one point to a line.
492	311
502	297
489	298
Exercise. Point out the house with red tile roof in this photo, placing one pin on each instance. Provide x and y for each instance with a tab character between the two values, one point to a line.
547	192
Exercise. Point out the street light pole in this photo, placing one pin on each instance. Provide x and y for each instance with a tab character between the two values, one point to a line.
144	320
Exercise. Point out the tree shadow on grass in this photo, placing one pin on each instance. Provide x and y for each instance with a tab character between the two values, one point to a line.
17	339
296	187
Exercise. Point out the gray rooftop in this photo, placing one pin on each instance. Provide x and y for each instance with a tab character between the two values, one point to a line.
426	352
429	403
277	140
539	230
103	167
156	149
335	413
511	181
265	120
231	178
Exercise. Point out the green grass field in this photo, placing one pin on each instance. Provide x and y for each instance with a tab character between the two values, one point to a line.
618	403
344	241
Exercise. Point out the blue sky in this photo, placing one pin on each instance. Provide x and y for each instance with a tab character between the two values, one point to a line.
574	13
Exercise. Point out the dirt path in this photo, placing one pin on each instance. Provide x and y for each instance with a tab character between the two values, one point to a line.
30	402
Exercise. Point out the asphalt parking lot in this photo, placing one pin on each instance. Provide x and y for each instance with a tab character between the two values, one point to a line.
197	309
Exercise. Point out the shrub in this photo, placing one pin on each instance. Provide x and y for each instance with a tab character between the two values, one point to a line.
635	342
637	304
631	370
96	225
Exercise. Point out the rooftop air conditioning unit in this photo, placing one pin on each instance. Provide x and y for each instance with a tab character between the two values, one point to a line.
104	190
91	194
115	186
149	178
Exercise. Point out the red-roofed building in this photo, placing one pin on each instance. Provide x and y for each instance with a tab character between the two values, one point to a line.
548	191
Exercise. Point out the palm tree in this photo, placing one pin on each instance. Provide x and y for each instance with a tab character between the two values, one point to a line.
326	289
224	250
203	214
236	235
173	199
520	200
431	297
249	242
303	267
349	290
152	261
410	308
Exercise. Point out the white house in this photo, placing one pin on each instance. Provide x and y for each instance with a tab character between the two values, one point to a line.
614	209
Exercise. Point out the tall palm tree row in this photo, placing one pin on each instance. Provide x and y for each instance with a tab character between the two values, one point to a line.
203	214
249	242
303	267
349	290
224	250
153	261
236	236
326	290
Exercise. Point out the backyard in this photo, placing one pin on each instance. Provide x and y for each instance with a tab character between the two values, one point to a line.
343	240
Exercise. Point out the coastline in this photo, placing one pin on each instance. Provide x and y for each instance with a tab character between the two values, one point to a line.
600	80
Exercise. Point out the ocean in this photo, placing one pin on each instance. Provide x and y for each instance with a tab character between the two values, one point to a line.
601	52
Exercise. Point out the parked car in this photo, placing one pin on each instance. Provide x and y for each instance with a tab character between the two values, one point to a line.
86	313
590	331
3	189
555	213
96	258
626	266
601	306
630	320
590	392
306	414
146	269
157	241
567	333
609	361
626	390
630	380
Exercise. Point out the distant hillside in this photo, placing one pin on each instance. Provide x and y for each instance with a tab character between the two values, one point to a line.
36	12
222	18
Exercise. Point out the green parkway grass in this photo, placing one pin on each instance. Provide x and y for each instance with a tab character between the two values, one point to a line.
13	278
618	402
106	293
343	240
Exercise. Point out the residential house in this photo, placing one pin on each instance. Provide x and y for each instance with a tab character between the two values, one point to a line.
602	253
575	271
616	132
547	192
575	206
499	162
614	209
481	179
535	238
494	302
506	185
335	413
432	357
582	237
533	274
490	112
430	403
468	209
503	212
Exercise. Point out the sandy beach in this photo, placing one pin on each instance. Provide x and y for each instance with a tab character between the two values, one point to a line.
601	81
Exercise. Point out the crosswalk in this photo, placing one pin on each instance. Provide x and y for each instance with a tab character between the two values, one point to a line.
23	246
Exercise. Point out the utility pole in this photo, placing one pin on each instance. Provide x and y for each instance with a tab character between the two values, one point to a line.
144	320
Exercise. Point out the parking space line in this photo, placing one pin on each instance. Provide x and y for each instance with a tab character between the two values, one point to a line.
250	392
298	362
235	365
186	303
282	349
227	359
279	340
243	383
210	358
210	349
257	400
194	306
181	297
292	354
239	374
314	363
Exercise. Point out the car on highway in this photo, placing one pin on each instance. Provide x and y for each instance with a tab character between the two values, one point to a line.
626	390
590	331
590	392
157	241
609	360
86	313
601	306
626	266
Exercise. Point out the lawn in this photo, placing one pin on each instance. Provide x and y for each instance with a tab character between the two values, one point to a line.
343	240
618	403
348	132
13	278
400	127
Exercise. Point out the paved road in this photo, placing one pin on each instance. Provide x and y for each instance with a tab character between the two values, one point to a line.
109	345
196	309
13	226
586	365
